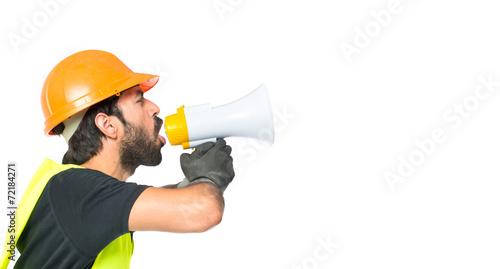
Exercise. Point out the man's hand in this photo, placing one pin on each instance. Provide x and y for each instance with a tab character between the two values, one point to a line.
209	160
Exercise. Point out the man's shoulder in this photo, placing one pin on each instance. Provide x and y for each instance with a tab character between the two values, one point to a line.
85	173
82	181
82	176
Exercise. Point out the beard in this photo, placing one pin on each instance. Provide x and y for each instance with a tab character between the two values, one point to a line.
139	147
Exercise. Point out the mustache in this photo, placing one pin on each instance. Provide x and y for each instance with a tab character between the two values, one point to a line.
158	124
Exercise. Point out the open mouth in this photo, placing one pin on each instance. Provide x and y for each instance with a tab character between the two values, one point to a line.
163	140
158	125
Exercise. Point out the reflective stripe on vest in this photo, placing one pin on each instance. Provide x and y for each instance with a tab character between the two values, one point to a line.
115	255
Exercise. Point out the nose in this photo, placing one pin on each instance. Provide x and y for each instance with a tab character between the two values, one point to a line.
153	109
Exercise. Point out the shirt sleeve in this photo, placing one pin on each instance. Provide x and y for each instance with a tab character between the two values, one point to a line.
91	207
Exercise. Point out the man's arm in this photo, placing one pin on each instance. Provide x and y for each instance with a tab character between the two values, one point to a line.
196	208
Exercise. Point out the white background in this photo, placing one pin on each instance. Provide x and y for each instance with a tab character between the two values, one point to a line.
342	122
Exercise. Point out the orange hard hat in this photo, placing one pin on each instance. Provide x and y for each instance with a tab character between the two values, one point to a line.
84	79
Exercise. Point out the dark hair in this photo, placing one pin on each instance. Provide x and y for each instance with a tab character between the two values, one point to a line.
86	141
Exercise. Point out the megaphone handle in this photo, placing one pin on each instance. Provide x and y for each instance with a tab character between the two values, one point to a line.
185	182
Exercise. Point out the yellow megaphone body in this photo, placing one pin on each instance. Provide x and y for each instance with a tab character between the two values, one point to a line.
250	116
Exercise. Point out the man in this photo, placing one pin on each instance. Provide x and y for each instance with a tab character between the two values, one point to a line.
81	214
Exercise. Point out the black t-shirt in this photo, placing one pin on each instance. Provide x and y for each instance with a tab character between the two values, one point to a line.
78	214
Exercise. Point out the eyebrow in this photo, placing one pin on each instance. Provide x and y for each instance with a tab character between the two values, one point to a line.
139	94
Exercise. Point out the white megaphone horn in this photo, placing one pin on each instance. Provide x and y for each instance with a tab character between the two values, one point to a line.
250	116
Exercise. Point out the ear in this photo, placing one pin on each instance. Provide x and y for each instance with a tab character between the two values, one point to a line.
107	125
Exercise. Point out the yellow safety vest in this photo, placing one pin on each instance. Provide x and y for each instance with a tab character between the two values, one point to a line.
115	255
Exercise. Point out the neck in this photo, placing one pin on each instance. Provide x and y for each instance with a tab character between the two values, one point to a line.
108	162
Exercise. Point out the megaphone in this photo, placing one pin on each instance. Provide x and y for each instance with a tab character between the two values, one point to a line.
250	116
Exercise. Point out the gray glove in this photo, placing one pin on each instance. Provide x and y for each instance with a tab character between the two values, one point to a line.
210	160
